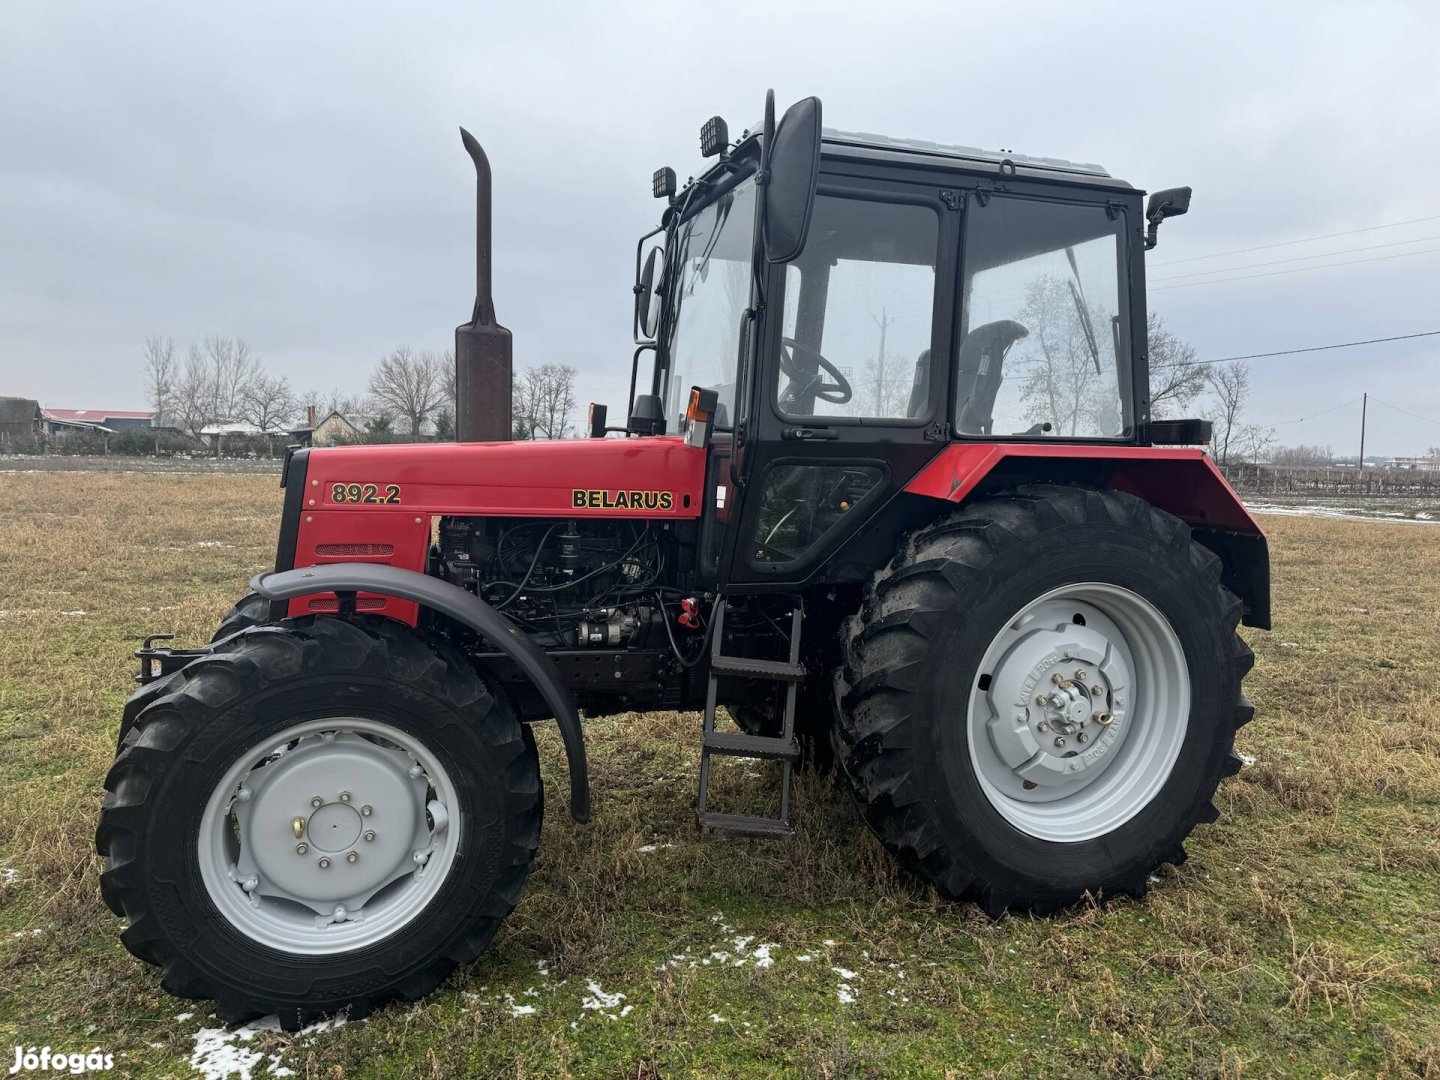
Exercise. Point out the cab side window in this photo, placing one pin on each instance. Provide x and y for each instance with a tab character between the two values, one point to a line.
1043	341
859	310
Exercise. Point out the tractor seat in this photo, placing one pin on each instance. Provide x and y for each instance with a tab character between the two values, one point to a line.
979	370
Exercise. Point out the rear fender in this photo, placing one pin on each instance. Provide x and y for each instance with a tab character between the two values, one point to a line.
1178	480
466	609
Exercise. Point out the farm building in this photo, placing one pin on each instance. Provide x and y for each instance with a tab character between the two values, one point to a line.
20	419
60	421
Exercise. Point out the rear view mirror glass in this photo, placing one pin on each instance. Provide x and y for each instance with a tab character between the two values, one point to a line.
647	294
794	170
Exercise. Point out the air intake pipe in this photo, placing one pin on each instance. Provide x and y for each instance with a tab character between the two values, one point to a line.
483	372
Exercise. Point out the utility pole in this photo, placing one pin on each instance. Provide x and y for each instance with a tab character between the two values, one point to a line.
880	373
1364	404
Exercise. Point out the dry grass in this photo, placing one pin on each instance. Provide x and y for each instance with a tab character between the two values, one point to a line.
1302	937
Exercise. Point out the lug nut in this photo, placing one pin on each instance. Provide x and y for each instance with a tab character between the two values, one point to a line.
352	856
1080	674
1082	737
369	834
367	810
1057	678
324	864
317	801
1097	690
301	849
1059	740
1039	699
344	796
1042	726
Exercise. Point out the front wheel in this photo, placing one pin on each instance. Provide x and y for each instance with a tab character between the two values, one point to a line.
319	818
1041	696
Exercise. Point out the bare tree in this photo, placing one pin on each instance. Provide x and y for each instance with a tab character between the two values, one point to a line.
409	385
1253	442
445	415
1302	456
1176	376
162	371
268	403
543	403
193	400
1230	384
231	368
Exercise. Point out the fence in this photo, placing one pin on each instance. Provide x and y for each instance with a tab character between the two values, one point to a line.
1334	482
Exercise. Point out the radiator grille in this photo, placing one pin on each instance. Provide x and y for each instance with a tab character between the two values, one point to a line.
362	603
353	551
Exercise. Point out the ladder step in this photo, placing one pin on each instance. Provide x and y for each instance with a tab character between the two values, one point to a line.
744	825
779	670
738	744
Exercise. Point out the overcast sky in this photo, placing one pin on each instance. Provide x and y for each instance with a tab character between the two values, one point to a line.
292	174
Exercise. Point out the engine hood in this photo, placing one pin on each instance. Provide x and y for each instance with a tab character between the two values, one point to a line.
653	477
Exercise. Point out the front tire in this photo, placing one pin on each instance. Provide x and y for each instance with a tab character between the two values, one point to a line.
1040	697
319	818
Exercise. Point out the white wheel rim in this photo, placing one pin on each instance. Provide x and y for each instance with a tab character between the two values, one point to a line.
1079	712
331	836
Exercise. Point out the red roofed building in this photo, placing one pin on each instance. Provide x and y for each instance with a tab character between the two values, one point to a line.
67	421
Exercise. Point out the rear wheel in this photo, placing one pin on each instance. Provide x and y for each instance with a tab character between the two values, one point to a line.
319	818
1040	697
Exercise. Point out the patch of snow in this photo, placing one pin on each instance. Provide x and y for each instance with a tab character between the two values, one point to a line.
75	614
209	543
1345	513
182	1017
1246	760
804	958
829	943
845	994
648	848
218	1053
600	1001
1289	645
28	933
716	1018
846	975
9	875
543	967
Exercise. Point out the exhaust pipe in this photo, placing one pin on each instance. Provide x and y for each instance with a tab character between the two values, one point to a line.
483	370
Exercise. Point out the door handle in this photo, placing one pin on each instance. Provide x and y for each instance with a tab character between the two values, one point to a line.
805	434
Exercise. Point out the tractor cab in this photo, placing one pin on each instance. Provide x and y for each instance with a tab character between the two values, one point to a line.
853	302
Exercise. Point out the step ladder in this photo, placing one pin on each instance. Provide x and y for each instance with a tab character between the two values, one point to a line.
783	748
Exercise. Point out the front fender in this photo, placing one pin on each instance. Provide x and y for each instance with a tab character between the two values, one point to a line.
466	609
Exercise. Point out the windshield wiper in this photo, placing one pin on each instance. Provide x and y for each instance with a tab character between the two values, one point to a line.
1077	295
722	215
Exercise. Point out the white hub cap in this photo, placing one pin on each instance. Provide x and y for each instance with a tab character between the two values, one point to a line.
1079	712
331	836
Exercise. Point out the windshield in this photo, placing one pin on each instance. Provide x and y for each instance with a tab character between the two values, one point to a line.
708	294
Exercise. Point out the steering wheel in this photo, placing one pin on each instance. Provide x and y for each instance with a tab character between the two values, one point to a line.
803	381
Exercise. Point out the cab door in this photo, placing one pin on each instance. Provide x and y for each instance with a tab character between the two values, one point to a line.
849	390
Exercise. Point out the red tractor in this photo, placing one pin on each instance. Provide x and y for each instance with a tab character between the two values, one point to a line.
889	491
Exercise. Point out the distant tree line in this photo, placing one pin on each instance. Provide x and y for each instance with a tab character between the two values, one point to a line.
410	394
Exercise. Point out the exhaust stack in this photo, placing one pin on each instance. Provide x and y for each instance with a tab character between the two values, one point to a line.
483	373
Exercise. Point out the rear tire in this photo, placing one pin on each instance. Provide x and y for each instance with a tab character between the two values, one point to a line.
965	775
208	742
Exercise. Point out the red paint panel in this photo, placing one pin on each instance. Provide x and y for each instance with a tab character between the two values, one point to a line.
517	479
406	534
1178	480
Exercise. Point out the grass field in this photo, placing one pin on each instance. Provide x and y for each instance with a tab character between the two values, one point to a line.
1301	938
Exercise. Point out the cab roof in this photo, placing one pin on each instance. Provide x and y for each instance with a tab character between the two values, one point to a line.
867	146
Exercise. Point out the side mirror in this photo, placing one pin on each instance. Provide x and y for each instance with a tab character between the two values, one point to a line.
1172	202
598	415
647	295
794	168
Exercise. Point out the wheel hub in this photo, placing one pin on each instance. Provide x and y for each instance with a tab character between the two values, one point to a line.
330	821
1057	700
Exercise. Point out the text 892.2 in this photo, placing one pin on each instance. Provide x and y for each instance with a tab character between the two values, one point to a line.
365	493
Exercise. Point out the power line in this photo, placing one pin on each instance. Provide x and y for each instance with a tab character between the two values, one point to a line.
1313	416
1297	258
1302	240
1323	348
1407	412
1298	269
